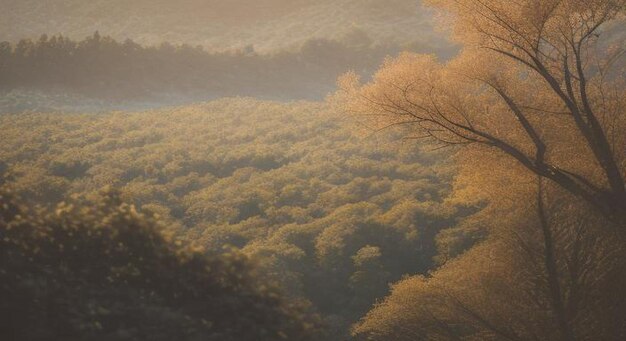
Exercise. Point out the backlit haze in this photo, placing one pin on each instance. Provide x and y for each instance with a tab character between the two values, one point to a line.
221	24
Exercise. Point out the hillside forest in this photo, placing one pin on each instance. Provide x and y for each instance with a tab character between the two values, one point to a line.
101	68
212	171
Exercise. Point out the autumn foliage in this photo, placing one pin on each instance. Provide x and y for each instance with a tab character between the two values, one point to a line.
534	108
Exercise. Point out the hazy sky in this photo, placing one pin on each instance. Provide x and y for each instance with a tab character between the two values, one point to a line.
267	24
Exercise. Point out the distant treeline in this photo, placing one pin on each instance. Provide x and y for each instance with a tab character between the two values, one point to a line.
102	67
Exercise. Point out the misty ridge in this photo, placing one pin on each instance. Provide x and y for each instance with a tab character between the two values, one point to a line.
270	25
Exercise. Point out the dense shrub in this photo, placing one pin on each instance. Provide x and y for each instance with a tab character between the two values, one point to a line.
99	270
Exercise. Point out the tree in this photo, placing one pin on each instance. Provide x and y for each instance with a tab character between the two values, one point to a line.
552	274
537	81
540	83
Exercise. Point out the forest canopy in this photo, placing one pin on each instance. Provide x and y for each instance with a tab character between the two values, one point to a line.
332	216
